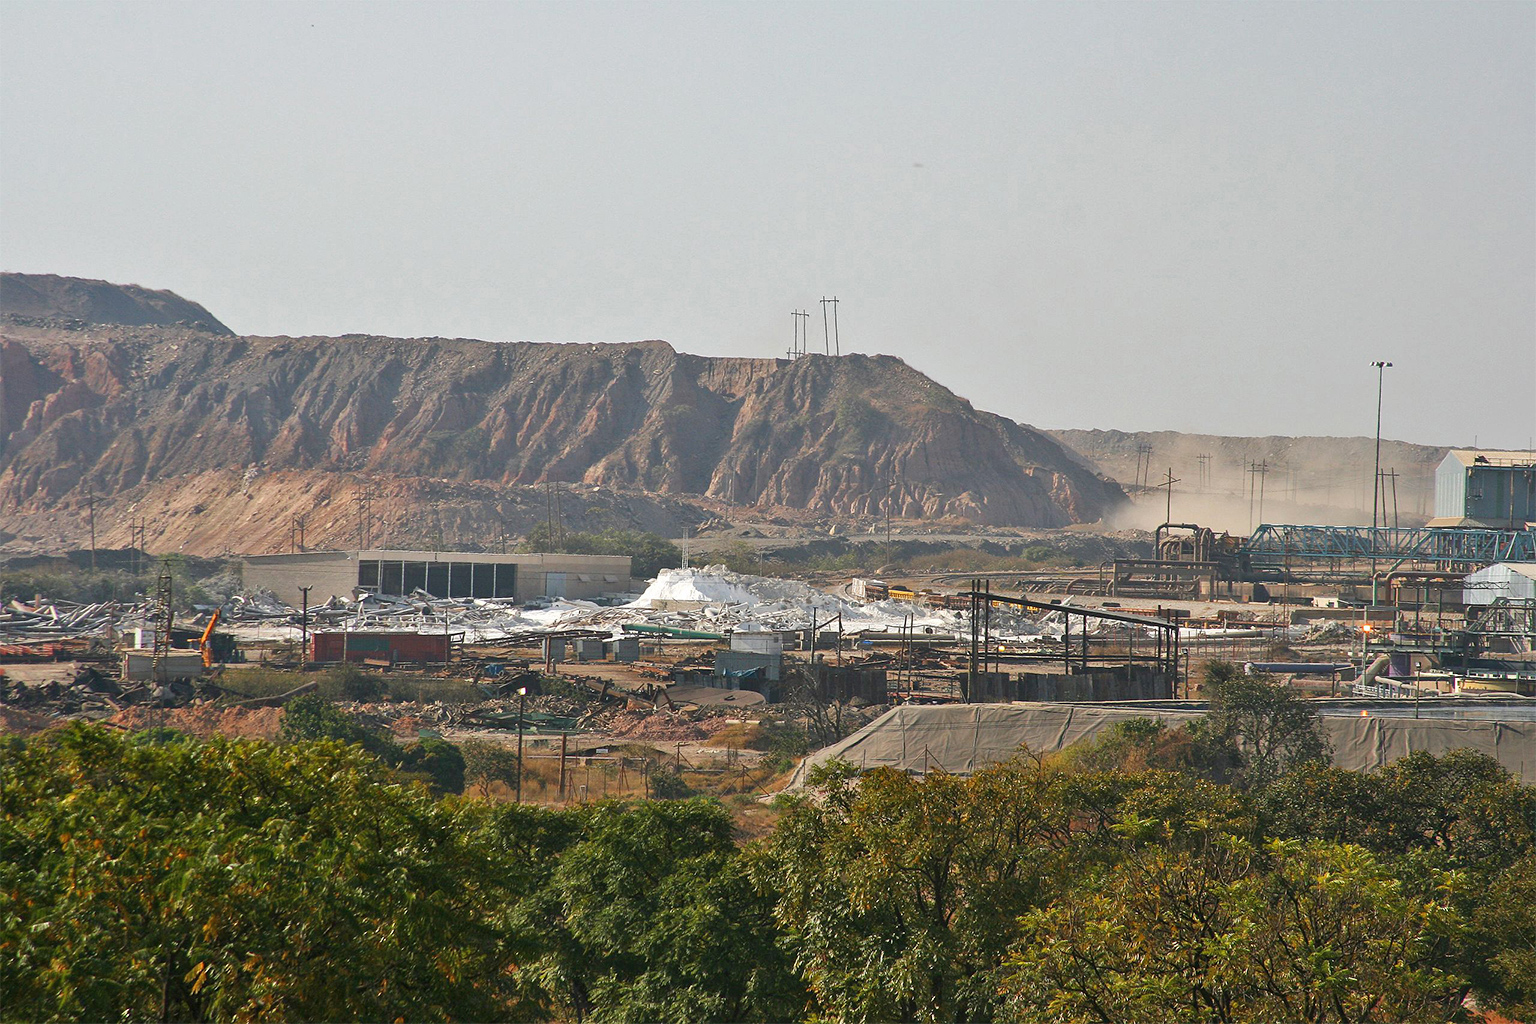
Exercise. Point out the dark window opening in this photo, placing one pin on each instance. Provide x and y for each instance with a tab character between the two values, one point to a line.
368	575
506	581
458	579
415	577
391	578
485	579
437	579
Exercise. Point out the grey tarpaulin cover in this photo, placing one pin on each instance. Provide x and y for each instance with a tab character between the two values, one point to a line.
960	738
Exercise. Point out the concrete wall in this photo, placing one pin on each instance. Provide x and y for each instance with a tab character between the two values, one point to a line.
1122	683
335	573
328	572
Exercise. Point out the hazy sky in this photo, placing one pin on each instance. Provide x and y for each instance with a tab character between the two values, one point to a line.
1202	217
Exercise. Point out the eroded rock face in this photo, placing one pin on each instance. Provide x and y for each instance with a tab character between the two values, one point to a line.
112	408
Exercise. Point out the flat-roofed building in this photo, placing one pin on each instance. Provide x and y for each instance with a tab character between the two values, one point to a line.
399	573
1485	488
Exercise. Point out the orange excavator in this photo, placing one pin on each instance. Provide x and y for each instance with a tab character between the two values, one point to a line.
205	645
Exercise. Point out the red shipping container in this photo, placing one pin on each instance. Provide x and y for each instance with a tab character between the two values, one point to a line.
373	646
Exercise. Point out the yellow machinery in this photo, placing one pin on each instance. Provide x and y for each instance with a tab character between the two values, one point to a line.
204	645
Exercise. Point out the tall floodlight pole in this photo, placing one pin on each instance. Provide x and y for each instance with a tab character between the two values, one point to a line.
522	695
1381	370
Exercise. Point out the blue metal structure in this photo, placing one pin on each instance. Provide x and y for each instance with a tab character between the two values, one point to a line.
1274	544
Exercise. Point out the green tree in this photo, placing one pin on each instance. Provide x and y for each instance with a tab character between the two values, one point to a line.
487	763
1504	944
436	761
1233	932
238	880
901	895
1255	730
658	921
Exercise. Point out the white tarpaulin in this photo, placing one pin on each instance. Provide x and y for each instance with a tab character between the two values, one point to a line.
960	738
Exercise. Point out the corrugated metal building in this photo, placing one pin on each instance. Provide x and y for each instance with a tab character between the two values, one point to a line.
1478	488
1513	581
439	573
374	645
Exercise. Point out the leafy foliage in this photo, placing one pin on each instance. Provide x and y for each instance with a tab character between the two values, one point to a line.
240	880
1233	932
487	762
432	760
160	876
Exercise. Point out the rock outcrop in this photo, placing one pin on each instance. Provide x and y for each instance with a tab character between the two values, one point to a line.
77	300
112	409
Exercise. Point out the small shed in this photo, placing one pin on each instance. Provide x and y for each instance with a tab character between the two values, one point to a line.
380	645
1513	581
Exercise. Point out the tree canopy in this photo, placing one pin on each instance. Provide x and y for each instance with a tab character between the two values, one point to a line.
1157	875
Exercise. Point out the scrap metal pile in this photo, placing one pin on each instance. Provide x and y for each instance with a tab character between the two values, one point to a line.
84	692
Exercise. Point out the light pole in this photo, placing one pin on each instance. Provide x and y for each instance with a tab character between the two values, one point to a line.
304	627
1381	370
522	694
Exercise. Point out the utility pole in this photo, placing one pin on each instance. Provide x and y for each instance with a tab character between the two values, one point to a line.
1203	470
90	504
837	343
1391	474
1143	464
826	327
549	513
1381	371
1169	482
296	531
1263	472
365	518
1252	466
304	625
890	497
801	344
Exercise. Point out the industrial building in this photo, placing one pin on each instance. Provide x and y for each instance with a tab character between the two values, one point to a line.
382	646
520	577
1502	581
1490	489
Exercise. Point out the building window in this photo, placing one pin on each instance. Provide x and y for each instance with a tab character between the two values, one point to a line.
485	579
506	580
368	575
392	578
437	579
458	579
415	577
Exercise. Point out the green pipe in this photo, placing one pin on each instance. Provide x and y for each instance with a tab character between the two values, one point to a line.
672	631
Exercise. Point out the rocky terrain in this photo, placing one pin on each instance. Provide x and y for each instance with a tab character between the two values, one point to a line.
218	440
78	302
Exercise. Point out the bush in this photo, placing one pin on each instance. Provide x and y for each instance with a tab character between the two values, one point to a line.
435	760
355	684
667	784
